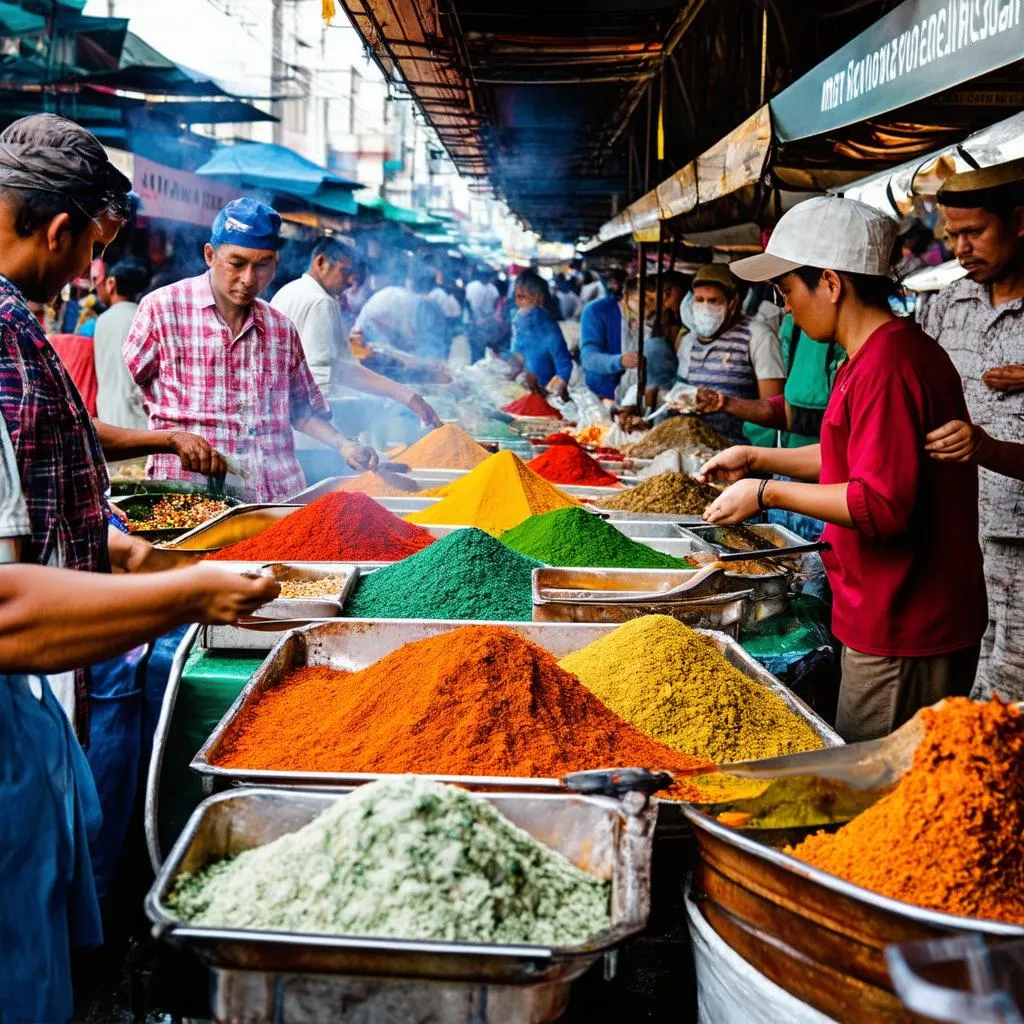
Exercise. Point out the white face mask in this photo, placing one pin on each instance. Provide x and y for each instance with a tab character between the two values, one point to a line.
708	319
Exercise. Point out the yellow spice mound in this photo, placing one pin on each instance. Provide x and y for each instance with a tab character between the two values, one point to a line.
671	684
380	484
498	495
447	447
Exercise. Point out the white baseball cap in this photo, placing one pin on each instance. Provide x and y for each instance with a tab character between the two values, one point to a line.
827	232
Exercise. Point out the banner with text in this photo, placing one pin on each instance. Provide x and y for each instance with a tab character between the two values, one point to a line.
915	51
170	194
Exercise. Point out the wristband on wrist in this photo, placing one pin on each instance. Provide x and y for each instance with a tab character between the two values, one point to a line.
761	504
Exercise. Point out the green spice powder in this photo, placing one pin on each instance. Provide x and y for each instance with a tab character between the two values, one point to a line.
405	858
575	537
466	575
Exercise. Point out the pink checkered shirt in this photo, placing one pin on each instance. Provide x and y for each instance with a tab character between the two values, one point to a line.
242	394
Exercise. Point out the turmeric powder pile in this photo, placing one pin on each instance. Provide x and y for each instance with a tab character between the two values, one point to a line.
498	495
948	837
673	685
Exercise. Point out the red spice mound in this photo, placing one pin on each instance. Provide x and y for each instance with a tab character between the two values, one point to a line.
559	437
948	837
570	464
531	405
480	700
339	527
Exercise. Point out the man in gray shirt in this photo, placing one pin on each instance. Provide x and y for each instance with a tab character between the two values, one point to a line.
118	397
980	323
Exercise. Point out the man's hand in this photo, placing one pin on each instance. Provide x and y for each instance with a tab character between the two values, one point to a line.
630	360
630	423
360	457
220	596
955	441
196	454
424	410
710	401
135	554
735	504
1007	379
729	466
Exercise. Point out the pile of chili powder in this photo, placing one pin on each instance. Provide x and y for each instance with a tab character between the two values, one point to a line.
570	464
339	527
948	837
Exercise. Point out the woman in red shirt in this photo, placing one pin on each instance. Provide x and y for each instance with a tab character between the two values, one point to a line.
905	565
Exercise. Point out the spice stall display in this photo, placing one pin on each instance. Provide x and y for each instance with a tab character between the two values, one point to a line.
570	464
466	575
380	483
679	432
948	837
669	682
170	512
575	537
408	858
479	700
339	527
496	496
532	405
447	447
666	493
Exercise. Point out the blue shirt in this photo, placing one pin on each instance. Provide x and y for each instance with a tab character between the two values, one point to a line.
537	338
601	345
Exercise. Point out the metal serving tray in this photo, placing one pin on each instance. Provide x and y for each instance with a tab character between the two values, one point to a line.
293	608
600	835
354	644
644	517
655	531
400	506
599	595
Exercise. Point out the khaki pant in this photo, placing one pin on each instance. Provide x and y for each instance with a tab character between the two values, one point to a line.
878	694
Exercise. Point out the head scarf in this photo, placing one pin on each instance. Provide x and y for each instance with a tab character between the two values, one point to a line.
52	154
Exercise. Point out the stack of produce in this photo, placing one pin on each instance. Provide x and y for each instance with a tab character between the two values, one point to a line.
570	464
466	575
380	484
339	527
575	537
531	405
447	447
178	512
948	837
674	686
681	432
670	493
496	496
404	858
480	700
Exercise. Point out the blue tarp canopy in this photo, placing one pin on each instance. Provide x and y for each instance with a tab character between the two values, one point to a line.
16	21
261	165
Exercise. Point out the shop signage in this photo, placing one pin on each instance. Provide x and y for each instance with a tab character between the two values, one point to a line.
920	48
170	194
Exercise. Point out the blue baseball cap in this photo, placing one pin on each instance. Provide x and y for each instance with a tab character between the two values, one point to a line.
249	224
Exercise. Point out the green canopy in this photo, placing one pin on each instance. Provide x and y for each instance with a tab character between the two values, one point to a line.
917	50
16	21
397	214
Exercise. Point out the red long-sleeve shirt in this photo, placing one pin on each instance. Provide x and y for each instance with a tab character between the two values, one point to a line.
907	577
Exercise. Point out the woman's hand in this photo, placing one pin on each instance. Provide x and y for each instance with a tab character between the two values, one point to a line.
729	466
955	441
735	504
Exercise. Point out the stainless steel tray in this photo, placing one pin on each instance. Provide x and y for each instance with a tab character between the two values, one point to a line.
353	644
645	517
307	608
643	530
598	834
581	595
591	493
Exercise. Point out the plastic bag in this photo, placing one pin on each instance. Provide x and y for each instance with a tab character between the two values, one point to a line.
731	991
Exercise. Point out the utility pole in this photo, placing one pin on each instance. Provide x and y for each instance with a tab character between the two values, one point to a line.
277	67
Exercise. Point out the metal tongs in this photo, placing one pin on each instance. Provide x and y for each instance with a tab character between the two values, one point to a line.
764	553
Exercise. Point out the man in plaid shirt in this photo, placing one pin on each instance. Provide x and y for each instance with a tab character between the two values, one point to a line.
212	357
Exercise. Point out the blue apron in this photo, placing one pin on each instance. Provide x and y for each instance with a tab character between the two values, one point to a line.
49	813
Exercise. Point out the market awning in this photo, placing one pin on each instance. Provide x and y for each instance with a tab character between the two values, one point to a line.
16	21
210	112
263	165
395	213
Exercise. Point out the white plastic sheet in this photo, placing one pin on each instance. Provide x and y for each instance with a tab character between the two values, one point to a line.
730	991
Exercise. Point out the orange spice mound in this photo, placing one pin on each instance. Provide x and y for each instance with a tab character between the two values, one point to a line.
380	483
447	447
949	836
479	700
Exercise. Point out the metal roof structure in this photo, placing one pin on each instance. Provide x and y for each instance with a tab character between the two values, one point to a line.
556	107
